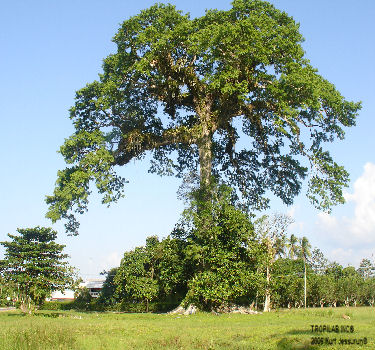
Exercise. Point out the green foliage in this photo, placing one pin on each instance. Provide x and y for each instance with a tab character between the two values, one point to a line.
287	283
271	232
335	270
6	293
98	305
318	262
156	271
221	249
58	305
82	295
154	306
173	271
304	250
322	290
350	286
366	269
109	287
176	85
34	266
72	186
368	292
134	279
210	259
224	285
292	246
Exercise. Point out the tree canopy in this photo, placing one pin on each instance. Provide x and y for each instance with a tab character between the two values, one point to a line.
185	89
35	265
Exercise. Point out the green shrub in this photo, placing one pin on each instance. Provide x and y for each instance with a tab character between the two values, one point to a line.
4	302
141	307
96	305
57	305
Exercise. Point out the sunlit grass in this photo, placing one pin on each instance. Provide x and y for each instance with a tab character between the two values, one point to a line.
283	329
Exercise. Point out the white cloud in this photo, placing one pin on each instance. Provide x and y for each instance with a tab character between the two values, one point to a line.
291	211
350	256
355	235
363	224
328	221
296	226
341	254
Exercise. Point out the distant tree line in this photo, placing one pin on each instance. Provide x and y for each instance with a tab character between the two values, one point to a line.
218	255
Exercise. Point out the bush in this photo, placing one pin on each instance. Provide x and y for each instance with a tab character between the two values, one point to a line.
96	305
4	302
211	289
72	305
57	305
83	296
141	307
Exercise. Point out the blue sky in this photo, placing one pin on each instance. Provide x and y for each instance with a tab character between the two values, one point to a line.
50	49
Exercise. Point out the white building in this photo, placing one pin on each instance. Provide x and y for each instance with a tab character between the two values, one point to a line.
94	286
61	296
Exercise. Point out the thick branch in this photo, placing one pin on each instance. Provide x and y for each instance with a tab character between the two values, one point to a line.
135	142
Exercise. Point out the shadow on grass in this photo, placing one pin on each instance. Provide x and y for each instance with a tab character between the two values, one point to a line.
51	315
17	315
38	314
298	332
292	340
240	337
294	344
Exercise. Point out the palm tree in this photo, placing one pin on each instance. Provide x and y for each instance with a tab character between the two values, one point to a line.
292	246
279	246
271	231
305	253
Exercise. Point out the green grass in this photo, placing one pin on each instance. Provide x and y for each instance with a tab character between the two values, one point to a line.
284	329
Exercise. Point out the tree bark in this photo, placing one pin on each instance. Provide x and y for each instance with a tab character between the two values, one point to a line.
205	159
267	299
204	141
304	263
24	308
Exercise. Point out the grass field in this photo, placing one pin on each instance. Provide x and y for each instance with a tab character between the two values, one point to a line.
284	329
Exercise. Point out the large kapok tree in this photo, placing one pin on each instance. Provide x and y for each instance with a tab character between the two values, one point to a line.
182	89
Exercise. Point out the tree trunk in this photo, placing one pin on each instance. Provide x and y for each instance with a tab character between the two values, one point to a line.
24	308
304	263
205	159
204	141
267	300
25	305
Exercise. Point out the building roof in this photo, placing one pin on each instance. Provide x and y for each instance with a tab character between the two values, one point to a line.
97	284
